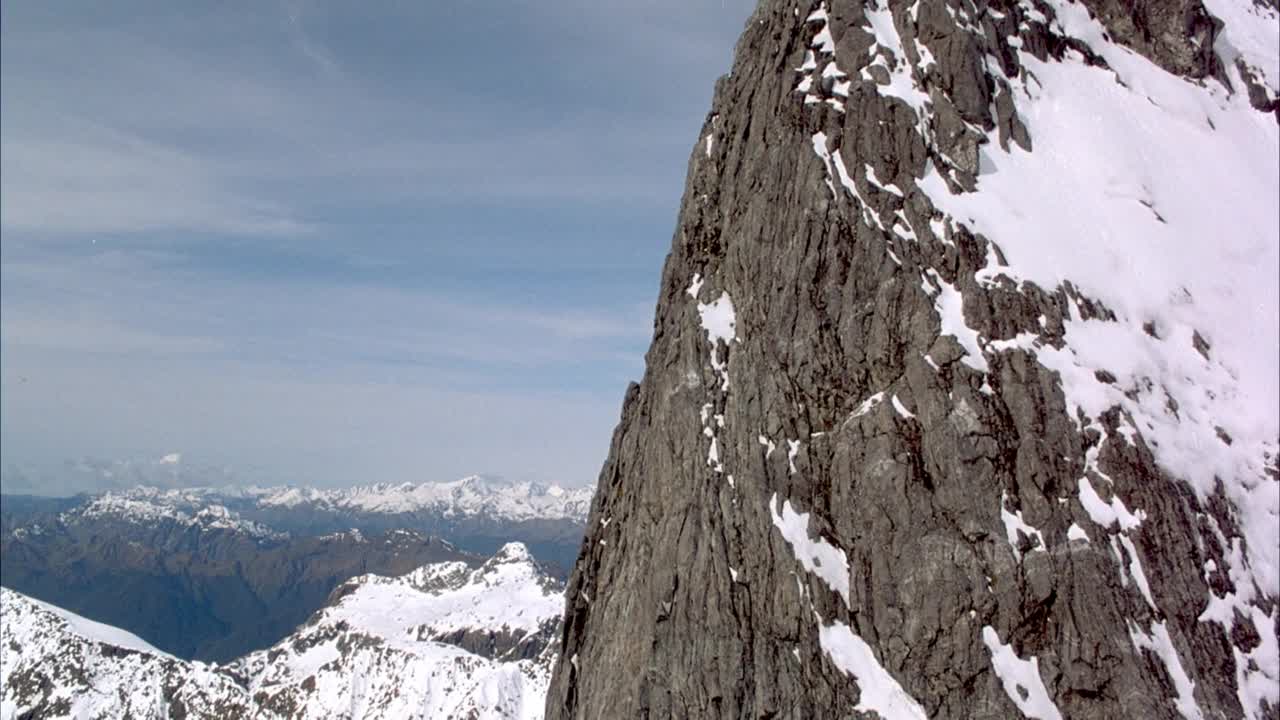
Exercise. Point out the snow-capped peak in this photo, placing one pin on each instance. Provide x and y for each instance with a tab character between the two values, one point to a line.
509	591
148	505
472	496
512	552
443	641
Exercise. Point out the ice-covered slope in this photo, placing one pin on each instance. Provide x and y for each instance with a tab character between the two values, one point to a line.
444	641
963	394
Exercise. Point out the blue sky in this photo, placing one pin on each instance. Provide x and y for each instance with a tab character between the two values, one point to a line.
325	244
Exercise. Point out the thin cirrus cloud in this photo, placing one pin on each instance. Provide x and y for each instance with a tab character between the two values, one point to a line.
104	303
339	244
285	376
90	180
84	333
123	127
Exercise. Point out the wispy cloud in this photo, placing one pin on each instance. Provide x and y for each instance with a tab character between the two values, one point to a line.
295	11
294	424
392	244
78	178
85	333
318	384
149	128
89	301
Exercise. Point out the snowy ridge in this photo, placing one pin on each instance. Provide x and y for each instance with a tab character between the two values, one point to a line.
58	664
384	631
88	629
145	505
443	641
471	496
508	593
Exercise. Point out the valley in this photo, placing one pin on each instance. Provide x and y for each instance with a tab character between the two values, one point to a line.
210	575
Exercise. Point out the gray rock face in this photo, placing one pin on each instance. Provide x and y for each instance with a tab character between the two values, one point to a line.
1177	36
850	503
500	644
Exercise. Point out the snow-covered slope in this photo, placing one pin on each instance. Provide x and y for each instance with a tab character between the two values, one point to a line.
88	629
443	641
57	664
508	594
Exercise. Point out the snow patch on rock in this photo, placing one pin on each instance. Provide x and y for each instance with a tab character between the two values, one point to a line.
1020	679
819	557
878	691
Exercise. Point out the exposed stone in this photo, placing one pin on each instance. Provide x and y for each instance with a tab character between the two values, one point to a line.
1177	36
842	396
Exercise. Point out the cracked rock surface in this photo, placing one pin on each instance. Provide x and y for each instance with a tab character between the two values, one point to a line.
871	469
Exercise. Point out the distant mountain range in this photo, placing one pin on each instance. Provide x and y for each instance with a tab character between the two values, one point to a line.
477	513
444	641
211	574
474	496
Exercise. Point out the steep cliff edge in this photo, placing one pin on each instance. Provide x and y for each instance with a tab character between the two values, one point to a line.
962	397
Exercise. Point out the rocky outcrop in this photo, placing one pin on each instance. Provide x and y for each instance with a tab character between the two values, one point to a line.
1177	36
500	644
901	451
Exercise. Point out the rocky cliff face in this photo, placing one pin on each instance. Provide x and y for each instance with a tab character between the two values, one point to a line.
962	397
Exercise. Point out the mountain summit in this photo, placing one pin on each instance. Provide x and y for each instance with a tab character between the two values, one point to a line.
962	396
444	641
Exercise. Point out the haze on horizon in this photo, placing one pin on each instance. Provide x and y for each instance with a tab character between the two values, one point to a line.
310	244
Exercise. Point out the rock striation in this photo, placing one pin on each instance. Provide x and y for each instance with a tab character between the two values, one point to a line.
961	400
